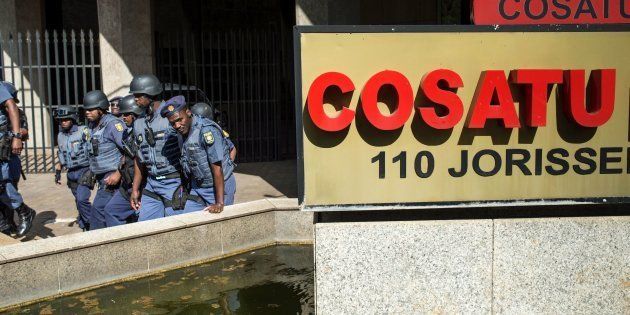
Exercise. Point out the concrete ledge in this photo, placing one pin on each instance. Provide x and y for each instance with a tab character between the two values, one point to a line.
49	267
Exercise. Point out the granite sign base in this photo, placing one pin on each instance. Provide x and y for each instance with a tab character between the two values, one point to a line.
504	266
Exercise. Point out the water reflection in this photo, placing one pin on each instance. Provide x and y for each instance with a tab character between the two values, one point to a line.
273	280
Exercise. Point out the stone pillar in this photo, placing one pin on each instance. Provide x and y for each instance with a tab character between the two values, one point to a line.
125	41
563	265
8	25
26	17
311	12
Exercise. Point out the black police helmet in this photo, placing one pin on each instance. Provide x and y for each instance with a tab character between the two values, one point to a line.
203	110
145	84
95	99
66	111
128	105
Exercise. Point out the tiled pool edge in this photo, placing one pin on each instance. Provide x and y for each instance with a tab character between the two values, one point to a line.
56	266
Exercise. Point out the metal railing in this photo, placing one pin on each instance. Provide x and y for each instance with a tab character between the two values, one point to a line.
55	69
244	74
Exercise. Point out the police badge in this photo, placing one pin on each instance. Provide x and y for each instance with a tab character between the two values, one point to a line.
208	137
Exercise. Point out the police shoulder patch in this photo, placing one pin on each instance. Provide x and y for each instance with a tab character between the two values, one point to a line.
119	127
226	134
208	137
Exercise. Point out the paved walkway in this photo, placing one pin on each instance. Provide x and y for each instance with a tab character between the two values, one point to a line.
56	211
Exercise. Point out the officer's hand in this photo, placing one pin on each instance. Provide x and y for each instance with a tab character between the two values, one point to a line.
134	199
214	208
58	177
113	179
16	146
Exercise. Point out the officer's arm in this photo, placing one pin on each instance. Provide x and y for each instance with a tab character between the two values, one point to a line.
139	170
61	158
217	176
116	135
232	149
14	115
214	149
14	118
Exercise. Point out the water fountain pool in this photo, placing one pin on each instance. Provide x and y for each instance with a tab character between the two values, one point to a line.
271	280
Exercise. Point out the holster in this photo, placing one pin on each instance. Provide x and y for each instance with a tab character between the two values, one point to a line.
126	177
88	179
5	146
72	184
180	196
124	193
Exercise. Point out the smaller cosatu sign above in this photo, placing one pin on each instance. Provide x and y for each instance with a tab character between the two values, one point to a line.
492	99
521	12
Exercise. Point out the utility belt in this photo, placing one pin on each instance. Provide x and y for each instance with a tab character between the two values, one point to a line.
87	179
197	199
168	176
178	201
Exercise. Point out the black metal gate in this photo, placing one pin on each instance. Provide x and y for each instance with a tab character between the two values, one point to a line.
50	70
245	75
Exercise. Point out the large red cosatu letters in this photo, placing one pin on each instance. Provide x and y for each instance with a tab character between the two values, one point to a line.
316	101
602	102
536	85
446	98
492	100
369	100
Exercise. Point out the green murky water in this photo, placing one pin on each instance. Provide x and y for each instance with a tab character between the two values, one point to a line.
272	280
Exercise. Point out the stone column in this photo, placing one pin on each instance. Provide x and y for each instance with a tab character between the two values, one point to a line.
125	41
311	12
26	17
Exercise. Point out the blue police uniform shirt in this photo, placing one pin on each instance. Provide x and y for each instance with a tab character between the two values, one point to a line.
114	133
62	158
214	150
4	93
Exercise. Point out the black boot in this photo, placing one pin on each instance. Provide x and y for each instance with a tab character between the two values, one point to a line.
4	225
8	214
26	216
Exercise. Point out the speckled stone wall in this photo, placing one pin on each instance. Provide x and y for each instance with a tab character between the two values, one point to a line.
503	266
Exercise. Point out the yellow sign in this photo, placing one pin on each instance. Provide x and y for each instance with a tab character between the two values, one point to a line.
422	119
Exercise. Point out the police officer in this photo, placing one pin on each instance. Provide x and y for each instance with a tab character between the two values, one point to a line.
15	167
105	156
11	144
207	111
205	158
113	106
119	209
73	154
158	154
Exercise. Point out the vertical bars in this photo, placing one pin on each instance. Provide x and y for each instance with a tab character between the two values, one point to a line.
49	98
35	63
242	73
